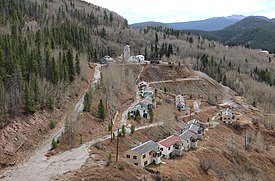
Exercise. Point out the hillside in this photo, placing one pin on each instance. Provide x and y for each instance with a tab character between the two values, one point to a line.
211	24
142	25
256	32
223	147
49	52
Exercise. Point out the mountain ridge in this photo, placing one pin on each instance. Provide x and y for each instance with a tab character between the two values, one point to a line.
210	24
254	31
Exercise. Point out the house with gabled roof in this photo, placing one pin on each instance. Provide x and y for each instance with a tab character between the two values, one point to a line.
144	154
141	110
189	139
171	146
195	128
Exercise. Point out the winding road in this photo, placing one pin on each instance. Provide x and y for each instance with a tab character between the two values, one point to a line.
38	167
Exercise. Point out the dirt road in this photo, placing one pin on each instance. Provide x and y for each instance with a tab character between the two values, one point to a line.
176	80
39	167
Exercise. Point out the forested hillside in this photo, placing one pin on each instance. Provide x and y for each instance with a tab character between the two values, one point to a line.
42	42
248	72
40	46
254	32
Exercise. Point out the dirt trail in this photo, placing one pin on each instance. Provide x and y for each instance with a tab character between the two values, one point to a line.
176	80
39	167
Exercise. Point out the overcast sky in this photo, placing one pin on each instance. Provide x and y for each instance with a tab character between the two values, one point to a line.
185	10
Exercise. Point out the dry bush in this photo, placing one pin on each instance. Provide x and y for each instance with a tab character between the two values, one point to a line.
267	121
205	165
255	122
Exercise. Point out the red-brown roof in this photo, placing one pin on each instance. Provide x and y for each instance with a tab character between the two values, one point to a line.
171	140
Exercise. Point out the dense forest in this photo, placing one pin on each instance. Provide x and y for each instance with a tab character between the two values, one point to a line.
41	43
40	49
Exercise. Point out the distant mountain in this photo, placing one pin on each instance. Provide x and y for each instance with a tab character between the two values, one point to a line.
256	31
212	24
149	23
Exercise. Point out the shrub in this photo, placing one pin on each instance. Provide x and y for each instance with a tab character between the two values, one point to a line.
121	167
54	144
52	124
109	157
205	165
132	129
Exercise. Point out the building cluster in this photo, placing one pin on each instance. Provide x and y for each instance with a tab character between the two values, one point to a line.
141	109
151	152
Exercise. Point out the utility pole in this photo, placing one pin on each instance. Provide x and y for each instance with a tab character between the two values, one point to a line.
117	144
111	130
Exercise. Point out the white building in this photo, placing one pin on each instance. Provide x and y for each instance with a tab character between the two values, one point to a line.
140	58
171	146
189	139
144	154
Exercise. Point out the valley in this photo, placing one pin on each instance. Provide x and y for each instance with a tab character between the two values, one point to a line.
84	96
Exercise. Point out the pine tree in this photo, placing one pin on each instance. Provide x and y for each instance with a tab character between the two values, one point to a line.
87	102
101	110
151	114
132	129
2	103
71	67
35	89
2	63
77	64
146	53
65	68
29	105
123	130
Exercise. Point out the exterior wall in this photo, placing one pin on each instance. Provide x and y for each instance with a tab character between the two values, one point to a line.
228	119
186	144
194	144
178	149
166	152
141	159
131	159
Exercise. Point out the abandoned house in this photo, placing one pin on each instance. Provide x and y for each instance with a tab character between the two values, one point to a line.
180	103
171	146
144	154
227	116
189	139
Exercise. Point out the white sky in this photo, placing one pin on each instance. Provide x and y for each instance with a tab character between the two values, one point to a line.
185	10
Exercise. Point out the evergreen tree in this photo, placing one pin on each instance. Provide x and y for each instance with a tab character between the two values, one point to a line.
71	68
35	89
65	68
151	114
2	63
123	130
156	38
132	129
101	110
87	101
77	64
29	105
2	103
146	53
